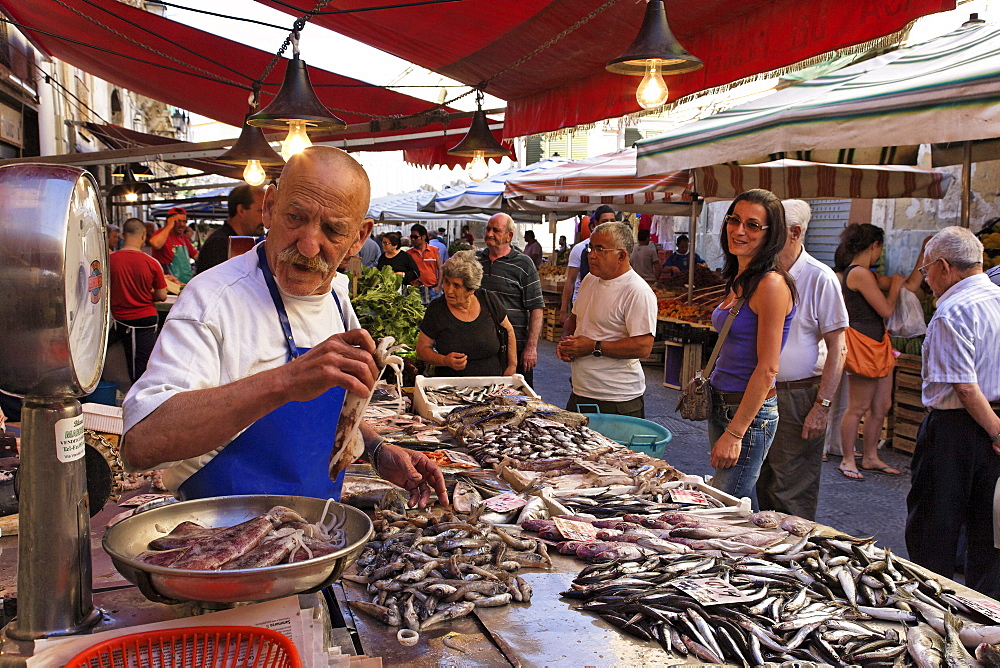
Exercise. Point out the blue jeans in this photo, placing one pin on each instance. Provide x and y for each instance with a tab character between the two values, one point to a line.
741	479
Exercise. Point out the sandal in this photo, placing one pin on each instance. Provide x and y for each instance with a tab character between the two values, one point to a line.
884	469
850	474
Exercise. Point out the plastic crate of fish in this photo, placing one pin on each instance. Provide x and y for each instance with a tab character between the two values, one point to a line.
429	409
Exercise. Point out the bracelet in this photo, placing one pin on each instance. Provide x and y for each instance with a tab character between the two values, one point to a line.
733	433
373	456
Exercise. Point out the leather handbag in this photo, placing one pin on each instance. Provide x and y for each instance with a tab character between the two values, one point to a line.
868	357
497	314
696	399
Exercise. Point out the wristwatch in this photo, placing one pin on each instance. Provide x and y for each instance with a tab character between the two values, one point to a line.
825	403
995	439
597	349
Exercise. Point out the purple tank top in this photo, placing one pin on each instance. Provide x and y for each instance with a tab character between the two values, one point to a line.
738	357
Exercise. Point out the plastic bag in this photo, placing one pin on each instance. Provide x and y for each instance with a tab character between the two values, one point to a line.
908	319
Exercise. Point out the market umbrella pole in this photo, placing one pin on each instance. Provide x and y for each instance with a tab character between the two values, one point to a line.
966	183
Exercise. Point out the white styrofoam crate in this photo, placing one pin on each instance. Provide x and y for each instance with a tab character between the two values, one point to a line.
432	411
102	418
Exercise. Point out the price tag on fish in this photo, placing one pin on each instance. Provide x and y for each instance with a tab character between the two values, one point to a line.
545	424
504	503
573	530
713	591
981	605
689	496
460	459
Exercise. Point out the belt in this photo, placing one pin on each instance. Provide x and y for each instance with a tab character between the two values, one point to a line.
804	384
734	398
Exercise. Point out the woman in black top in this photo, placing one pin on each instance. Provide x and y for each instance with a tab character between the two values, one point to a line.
868	309
401	263
459	333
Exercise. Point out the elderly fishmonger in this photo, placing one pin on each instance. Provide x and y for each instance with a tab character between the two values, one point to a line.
246	383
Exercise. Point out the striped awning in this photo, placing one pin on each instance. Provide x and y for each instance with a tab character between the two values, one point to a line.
946	89
605	179
610	179
488	195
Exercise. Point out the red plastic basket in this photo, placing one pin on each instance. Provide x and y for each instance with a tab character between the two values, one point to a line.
193	647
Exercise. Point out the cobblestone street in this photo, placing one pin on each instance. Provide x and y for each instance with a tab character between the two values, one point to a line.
875	506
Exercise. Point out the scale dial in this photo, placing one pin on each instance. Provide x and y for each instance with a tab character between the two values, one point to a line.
54	270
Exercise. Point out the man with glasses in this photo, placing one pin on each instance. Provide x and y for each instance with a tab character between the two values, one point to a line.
611	328
428	262
955	462
512	277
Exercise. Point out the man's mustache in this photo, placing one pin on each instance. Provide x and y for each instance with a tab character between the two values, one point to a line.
291	255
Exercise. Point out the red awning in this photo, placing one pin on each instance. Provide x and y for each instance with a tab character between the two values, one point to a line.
180	68
566	84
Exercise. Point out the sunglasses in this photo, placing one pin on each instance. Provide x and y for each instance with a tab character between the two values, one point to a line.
750	225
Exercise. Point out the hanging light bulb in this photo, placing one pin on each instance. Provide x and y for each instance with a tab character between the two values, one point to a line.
254	173
652	91
654	52
131	197
130	188
478	169
479	144
296	141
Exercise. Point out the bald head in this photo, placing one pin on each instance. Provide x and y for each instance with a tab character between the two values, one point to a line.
499	234
315	217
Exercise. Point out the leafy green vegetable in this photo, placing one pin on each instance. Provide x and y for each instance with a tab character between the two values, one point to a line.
383	311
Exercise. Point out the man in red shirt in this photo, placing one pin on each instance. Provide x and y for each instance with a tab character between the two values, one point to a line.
428	262
172	248
136	282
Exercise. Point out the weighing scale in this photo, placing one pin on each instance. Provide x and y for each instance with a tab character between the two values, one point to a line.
54	312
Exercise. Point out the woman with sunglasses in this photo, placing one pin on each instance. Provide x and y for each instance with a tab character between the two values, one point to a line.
868	308
744	402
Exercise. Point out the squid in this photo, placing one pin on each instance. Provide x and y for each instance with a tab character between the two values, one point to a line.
348	444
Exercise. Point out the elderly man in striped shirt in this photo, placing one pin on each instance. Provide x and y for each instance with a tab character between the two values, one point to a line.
956	463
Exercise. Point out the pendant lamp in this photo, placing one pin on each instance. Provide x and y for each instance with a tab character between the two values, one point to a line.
139	169
479	144
130	188
253	151
654	53
296	108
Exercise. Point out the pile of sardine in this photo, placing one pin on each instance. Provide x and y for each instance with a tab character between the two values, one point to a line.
280	536
824	599
610	504
534	444
450	395
467	422
423	568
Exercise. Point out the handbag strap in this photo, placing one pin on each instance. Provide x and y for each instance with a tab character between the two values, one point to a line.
733	312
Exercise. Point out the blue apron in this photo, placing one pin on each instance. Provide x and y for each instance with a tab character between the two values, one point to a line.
285	452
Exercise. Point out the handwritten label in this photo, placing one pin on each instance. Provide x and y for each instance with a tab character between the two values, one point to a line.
547	424
573	530
689	496
712	591
504	503
459	458
983	606
69	439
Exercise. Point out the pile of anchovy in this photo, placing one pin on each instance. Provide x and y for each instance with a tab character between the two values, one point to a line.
450	395
609	504
426	567
532	440
823	600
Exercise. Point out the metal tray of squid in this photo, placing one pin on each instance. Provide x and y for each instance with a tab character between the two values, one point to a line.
130	537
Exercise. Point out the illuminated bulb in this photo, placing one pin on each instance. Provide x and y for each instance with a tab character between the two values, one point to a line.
296	141
478	169
131	197
254	174
652	91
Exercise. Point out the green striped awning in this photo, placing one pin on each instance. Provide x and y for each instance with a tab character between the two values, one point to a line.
946	89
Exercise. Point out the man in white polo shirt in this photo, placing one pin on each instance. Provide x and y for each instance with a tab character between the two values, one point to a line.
811	366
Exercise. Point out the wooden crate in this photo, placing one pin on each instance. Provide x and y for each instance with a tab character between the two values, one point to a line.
681	361
907	404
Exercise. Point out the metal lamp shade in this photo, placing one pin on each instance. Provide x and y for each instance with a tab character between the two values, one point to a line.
251	145
655	41
479	138
130	185
140	169
296	101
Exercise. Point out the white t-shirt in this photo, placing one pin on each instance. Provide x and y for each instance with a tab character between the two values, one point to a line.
609	310
223	328
820	310
575	260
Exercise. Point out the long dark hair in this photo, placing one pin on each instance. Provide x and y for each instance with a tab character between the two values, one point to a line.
855	238
766	258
